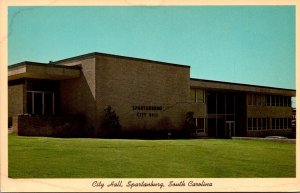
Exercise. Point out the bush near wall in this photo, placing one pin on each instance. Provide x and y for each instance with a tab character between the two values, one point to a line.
50	126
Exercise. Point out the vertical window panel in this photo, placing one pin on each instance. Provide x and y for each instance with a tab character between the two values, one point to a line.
199	96
193	95
258	123
273	123
258	100
249	99
254	124
249	123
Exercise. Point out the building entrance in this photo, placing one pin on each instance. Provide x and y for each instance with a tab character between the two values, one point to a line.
230	129
220	114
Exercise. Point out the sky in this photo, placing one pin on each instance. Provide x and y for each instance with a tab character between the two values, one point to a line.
243	44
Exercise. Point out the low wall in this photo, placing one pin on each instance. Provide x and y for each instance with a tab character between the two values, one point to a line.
52	126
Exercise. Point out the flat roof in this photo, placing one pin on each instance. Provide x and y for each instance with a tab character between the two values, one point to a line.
220	85
51	64
42	71
94	54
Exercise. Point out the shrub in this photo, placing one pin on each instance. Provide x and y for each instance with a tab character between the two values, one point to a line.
189	124
111	122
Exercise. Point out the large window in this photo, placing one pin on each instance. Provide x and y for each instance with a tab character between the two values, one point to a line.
40	103
197	95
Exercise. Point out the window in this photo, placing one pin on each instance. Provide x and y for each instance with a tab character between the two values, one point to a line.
284	123
277	123
259	100
273	98
197	95
288	101
254	124
281	123
193	94
259	123
249	99
268	100
40	103
263	100
264	123
200	123
250	124
200	96
289	123
273	123
254	99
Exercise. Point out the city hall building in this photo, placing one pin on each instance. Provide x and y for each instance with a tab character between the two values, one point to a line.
145	95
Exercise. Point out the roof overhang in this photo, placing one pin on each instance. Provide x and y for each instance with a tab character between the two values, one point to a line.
42	71
236	87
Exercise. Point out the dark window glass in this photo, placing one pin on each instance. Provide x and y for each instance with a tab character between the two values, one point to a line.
289	101
263	100
230	104
220	103
277	123
281	123
259	123
264	123
254	99
273	97
29	103
211	103
273	123
200	124
254	124
249	123
249	99
259	100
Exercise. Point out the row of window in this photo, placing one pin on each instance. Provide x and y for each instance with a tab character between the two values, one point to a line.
197	95
269	100
269	123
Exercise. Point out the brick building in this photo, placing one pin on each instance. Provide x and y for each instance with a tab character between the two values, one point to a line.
146	95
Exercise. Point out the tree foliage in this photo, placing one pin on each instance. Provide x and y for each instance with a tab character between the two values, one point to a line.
189	123
111	120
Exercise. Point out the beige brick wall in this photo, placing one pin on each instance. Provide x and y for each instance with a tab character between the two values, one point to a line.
77	96
268	111
15	100
124	83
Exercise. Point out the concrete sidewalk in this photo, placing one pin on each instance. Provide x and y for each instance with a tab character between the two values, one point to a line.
267	139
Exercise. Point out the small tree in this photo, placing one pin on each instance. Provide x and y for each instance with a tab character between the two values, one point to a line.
189	123
111	120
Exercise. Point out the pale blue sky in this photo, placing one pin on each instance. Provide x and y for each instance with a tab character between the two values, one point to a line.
244	44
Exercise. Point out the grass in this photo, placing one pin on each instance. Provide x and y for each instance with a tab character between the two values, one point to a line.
43	157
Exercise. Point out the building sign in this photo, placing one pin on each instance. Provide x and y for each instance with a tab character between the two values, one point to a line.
141	111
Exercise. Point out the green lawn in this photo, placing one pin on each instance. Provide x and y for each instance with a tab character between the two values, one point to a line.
43	157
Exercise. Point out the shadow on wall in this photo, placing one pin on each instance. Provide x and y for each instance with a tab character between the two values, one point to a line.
77	97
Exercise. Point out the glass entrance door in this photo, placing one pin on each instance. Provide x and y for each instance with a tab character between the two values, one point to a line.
230	129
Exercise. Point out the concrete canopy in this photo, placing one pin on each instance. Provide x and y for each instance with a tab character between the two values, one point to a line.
42	71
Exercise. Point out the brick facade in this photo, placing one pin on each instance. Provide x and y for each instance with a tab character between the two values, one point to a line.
146	95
